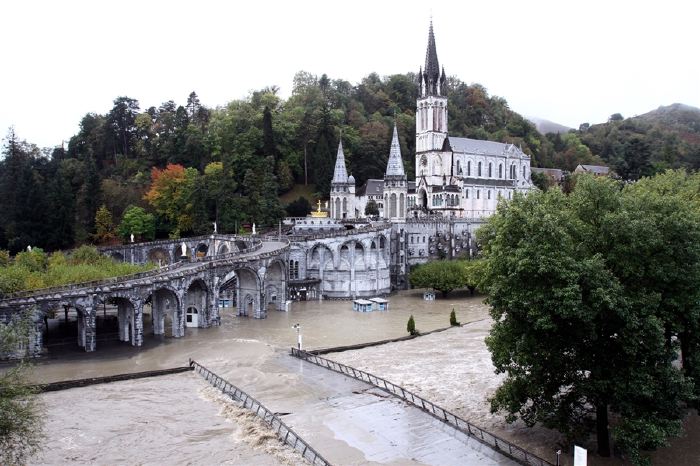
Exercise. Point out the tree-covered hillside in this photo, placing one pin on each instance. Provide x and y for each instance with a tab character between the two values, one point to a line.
668	137
176	168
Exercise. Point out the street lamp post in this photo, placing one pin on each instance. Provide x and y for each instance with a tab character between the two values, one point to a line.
298	327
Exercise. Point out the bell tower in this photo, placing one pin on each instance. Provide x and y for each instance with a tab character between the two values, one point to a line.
431	114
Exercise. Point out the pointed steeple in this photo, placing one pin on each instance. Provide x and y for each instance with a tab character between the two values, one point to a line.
340	173
394	166
431	72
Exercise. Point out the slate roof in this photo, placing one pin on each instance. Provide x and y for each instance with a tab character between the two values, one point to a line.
479	147
595	169
554	173
371	187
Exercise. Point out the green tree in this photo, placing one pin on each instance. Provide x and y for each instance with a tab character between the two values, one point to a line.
21	411
474	271
138	222
104	226
442	275
298	208
171	195
453	318
411	326
576	293
371	208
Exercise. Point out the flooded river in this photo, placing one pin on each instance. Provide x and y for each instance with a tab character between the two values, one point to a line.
238	341
141	421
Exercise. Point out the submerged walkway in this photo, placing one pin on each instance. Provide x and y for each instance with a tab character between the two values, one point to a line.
352	423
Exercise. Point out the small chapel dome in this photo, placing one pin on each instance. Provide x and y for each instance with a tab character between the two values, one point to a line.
351	179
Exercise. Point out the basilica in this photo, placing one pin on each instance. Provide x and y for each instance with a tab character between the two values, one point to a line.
458	178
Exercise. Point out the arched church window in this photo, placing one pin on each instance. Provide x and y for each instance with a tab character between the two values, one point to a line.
490	170
469	168
478	172
523	171
500	170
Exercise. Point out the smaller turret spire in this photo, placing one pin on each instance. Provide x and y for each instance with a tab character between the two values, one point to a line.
394	166
340	173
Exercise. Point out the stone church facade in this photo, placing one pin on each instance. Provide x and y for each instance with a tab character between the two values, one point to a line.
457	186
455	177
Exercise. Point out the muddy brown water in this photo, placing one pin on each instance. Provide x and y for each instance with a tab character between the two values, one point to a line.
141	421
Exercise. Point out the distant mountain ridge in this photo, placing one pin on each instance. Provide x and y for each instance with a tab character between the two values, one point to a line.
546	126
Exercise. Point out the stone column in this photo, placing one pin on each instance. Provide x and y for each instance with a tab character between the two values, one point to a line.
179	319
90	328
353	284
81	328
123	321
137	319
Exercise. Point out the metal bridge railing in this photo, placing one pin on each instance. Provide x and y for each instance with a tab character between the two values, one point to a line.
284	432
502	446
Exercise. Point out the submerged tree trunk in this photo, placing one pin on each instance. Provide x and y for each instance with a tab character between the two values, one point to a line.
601	422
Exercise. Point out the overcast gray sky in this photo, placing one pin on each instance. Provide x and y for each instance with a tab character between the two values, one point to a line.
569	62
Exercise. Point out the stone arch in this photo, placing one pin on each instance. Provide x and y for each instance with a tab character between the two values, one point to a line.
344	257
402	207
117	256
196	303
159	256
177	252
319	256
392	206
275	285
201	250
337	208
166	312
227	292
359	256
223	249
248	292
129	317
423	199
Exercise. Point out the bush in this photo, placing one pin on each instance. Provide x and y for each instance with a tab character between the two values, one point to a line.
453	319
34	260
298	208
411	326
86	255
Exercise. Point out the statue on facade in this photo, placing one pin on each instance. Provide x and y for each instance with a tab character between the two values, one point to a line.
253	228
183	248
214	227
132	237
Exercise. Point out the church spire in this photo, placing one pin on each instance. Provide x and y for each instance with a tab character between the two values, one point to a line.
394	166
431	72
340	174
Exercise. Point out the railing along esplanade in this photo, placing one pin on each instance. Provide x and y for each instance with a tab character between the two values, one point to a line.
282	430
503	446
